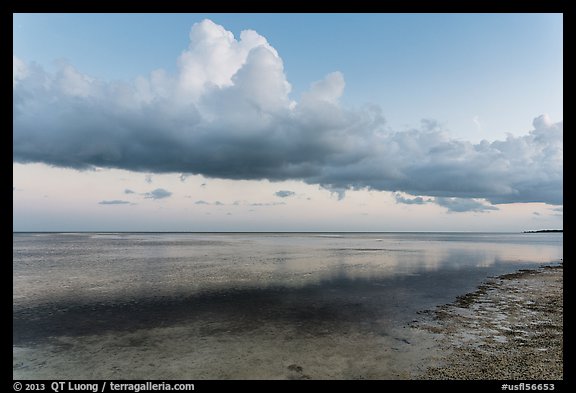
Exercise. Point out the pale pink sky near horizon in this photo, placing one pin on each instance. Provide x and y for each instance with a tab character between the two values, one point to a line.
55	199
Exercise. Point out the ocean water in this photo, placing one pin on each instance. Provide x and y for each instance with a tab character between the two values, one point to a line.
244	305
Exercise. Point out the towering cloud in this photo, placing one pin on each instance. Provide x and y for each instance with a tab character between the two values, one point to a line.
227	113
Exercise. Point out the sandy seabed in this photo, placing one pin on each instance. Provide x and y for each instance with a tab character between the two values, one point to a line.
510	328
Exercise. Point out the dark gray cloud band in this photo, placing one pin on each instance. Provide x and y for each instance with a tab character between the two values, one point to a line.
227	114
284	193
114	202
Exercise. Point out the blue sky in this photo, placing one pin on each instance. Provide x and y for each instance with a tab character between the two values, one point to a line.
471	77
503	69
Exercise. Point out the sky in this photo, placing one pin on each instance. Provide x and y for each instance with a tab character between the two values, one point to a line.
287	122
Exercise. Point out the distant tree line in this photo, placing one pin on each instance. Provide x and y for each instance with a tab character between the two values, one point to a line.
545	231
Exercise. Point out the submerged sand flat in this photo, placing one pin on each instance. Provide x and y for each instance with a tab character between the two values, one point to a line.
290	334
510	328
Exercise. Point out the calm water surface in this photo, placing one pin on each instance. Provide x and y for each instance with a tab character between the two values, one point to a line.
312	285
115	267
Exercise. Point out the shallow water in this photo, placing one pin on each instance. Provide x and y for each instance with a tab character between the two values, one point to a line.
221	306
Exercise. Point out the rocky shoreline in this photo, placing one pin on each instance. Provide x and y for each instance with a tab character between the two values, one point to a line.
510	328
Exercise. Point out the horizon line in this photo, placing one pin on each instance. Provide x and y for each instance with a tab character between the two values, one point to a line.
334	231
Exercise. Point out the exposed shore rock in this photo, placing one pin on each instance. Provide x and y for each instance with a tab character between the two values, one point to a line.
510	328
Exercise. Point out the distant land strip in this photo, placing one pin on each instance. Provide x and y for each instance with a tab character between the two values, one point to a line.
545	231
